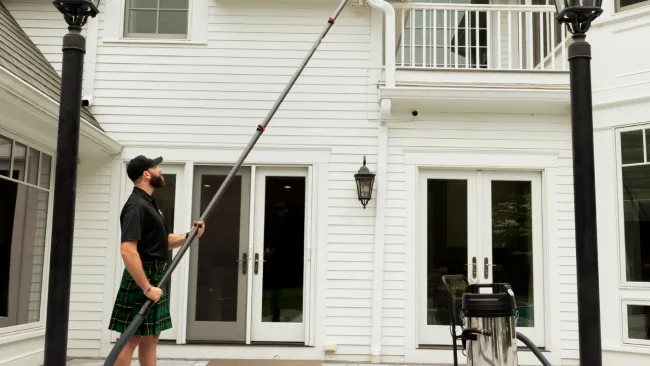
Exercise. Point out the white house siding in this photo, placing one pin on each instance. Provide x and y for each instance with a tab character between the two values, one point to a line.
217	93
89	270
621	97
480	131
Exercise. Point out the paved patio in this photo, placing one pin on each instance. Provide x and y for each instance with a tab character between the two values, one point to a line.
98	362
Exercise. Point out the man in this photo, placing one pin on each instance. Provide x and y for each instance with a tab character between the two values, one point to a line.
145	244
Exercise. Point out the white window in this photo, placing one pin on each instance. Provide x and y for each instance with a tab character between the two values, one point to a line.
625	5
25	185
156	19
636	322
634	196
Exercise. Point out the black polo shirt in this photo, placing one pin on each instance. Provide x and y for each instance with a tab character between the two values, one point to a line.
142	221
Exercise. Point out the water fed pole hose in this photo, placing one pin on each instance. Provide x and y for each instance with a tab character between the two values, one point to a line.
138	319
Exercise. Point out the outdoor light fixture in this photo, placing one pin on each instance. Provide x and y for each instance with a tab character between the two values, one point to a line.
75	13
577	15
365	180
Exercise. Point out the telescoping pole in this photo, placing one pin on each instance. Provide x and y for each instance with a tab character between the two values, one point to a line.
137	320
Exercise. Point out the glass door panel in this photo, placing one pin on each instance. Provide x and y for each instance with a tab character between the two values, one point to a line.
512	244
166	200
218	260
279	256
447	245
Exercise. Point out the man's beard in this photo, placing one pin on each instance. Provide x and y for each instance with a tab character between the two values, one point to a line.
157	181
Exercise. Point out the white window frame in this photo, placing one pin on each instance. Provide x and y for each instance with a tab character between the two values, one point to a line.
38	326
115	25
619	9
624	329
128	35
623	282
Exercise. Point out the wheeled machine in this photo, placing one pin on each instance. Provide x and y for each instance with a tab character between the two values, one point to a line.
487	316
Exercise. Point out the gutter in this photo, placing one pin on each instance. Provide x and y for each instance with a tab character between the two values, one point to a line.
389	50
382	171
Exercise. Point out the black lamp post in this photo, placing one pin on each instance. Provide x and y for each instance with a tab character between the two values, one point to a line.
365	180
578	15
75	13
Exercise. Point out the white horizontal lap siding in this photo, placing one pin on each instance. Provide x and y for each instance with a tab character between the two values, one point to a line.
44	24
89	271
479	131
218	93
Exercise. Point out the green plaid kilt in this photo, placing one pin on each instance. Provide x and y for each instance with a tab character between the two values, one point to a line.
130	299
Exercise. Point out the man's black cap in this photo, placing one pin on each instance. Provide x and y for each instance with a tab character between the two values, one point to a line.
140	164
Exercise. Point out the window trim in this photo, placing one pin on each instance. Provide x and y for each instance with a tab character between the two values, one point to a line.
115	26
623	282
16	330
625	339
181	37
622	9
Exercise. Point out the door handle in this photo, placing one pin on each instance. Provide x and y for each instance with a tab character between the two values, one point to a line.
244	263
473	267
257	262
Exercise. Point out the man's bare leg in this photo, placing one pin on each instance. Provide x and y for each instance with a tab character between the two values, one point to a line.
147	350
124	359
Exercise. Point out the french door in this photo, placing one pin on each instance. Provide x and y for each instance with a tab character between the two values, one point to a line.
248	273
219	259
487	226
279	276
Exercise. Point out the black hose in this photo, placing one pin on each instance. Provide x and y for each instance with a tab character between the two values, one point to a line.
533	349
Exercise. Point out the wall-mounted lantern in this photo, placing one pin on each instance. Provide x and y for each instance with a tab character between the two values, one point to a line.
365	180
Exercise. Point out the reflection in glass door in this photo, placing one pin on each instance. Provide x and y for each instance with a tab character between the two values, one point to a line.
218	260
448	237
512	243
279	256
166	201
488	227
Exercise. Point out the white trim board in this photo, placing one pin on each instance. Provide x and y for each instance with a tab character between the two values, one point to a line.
271	155
488	159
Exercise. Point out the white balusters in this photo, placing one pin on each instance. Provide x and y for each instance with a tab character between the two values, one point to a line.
492	37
